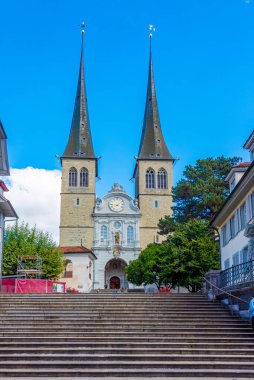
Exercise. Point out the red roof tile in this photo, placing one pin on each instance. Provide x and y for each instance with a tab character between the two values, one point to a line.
75	249
242	165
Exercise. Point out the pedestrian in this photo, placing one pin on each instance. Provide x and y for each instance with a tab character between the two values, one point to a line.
251	310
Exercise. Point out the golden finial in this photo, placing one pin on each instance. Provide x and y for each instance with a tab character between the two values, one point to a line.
152	29
83	26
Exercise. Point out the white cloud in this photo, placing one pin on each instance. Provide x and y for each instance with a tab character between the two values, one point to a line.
35	195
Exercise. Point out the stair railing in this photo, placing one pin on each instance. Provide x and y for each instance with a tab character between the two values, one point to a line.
221	291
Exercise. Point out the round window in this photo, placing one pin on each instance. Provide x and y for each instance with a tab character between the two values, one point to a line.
117	225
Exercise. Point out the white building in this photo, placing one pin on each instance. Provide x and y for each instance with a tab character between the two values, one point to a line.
235	219
116	237
79	268
6	208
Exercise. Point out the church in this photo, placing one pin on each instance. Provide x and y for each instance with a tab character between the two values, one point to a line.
100	236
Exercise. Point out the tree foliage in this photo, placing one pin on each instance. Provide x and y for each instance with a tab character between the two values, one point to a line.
148	268
192	251
21	240
182	260
203	189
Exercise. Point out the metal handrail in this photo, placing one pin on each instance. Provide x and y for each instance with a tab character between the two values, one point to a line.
225	292
238	274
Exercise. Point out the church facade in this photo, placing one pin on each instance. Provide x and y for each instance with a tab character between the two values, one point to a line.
99	237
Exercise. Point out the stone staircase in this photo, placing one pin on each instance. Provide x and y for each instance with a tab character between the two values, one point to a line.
122	335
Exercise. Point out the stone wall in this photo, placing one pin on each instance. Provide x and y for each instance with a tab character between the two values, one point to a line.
77	204
153	203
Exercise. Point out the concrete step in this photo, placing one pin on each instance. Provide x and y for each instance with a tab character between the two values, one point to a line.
125	344
126	365
131	373
30	358
133	336
126	337
115	330
9	352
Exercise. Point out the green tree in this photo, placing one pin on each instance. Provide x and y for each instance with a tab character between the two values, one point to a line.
149	267
182	260
21	240
192	251
203	189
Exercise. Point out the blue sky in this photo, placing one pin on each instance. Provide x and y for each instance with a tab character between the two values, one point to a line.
203	53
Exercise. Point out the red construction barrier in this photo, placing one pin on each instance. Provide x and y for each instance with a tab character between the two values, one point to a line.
8	285
19	285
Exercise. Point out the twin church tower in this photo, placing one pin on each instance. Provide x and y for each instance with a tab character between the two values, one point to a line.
112	230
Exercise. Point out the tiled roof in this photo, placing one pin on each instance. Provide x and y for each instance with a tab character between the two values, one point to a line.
75	249
242	165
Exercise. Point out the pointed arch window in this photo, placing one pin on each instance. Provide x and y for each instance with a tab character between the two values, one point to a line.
104	233
150	179
83	177
73	174
130	235
162	180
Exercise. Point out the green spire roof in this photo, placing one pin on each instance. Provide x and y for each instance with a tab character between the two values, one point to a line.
152	144
80	139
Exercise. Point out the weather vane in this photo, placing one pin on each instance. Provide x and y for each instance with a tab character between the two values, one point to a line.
83	26
152	29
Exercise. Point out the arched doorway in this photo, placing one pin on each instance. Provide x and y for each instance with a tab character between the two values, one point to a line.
115	277
114	282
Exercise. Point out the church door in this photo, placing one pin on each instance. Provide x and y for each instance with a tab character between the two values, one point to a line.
114	282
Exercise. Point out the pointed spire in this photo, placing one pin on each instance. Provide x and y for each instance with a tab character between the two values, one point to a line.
152	144
80	138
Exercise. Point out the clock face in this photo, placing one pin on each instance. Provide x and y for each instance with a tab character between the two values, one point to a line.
116	204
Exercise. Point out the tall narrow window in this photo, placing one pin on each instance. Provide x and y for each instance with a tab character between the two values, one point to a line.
73	177
130	235
162	179
104	233
83	177
150	179
243	216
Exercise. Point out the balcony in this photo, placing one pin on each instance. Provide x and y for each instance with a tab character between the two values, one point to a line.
238	275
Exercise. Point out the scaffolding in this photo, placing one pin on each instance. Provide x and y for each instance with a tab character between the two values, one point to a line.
29	267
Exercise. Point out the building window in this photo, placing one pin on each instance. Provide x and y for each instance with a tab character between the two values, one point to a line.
150	179
251	205
232	184
77	201
243	216
68	271
162	179
104	233
238	221
156	204
117	225
73	177
232	227
244	255
157	239
235	258
227	263
130	235
83	177
224	237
